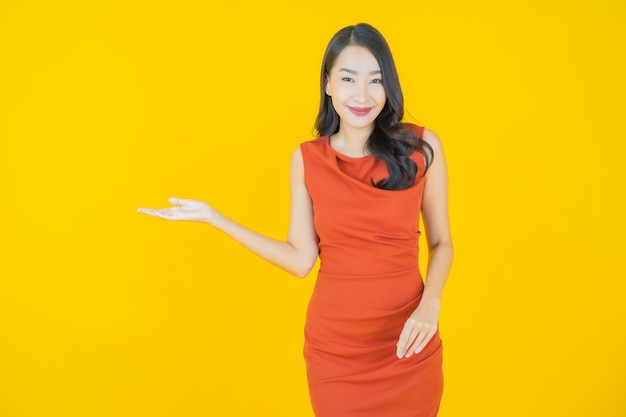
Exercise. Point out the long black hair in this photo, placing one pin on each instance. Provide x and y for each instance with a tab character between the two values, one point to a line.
390	140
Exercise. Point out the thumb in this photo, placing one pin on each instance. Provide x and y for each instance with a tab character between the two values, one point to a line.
178	201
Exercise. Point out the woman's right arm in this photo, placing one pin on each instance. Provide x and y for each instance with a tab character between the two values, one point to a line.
296	255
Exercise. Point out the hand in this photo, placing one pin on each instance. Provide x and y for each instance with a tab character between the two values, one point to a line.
189	210
418	329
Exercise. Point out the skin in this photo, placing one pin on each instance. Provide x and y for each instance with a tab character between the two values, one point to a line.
353	82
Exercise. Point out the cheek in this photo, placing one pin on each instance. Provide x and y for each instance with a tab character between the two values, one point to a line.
340	91
337	102
380	95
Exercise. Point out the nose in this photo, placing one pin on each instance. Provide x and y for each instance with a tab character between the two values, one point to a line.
360	93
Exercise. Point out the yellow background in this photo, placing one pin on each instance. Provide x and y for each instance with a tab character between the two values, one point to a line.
110	106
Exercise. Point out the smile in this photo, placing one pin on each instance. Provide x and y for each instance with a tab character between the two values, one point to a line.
360	111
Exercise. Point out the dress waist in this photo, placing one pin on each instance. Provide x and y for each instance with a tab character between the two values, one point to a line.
370	295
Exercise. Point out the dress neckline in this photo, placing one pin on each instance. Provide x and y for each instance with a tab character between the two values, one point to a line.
346	157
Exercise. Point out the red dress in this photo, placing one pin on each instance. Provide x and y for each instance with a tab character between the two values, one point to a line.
368	285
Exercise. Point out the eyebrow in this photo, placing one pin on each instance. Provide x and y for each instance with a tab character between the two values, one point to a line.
348	70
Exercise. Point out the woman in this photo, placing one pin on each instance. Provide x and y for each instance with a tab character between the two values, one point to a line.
372	346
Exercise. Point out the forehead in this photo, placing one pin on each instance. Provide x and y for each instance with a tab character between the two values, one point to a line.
357	58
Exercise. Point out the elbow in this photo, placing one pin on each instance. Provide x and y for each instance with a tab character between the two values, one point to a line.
302	272
302	261
303	269
443	246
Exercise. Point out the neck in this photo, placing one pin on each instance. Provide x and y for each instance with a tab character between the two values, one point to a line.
351	141
354	136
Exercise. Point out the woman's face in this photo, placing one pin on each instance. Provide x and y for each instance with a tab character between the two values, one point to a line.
355	86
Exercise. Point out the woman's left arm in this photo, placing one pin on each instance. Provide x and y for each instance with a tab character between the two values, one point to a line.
422	325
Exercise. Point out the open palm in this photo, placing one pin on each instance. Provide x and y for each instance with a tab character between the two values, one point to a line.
184	209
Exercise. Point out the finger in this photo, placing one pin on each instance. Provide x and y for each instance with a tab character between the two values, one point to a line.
164	213
178	201
417	343
421	345
146	211
151	212
406	338
402	341
408	333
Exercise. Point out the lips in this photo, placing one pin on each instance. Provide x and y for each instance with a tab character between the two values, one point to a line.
360	111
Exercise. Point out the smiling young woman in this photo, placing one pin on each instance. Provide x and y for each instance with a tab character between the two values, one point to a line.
372	344
355	87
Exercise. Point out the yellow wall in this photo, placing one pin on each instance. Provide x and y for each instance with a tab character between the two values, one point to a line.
112	106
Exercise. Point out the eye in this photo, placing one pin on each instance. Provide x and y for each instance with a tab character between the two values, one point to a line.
377	81
348	79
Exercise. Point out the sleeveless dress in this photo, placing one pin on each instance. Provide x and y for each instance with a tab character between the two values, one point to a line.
367	286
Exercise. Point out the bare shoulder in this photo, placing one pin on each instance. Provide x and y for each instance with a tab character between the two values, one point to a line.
432	139
296	156
297	163
438	167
